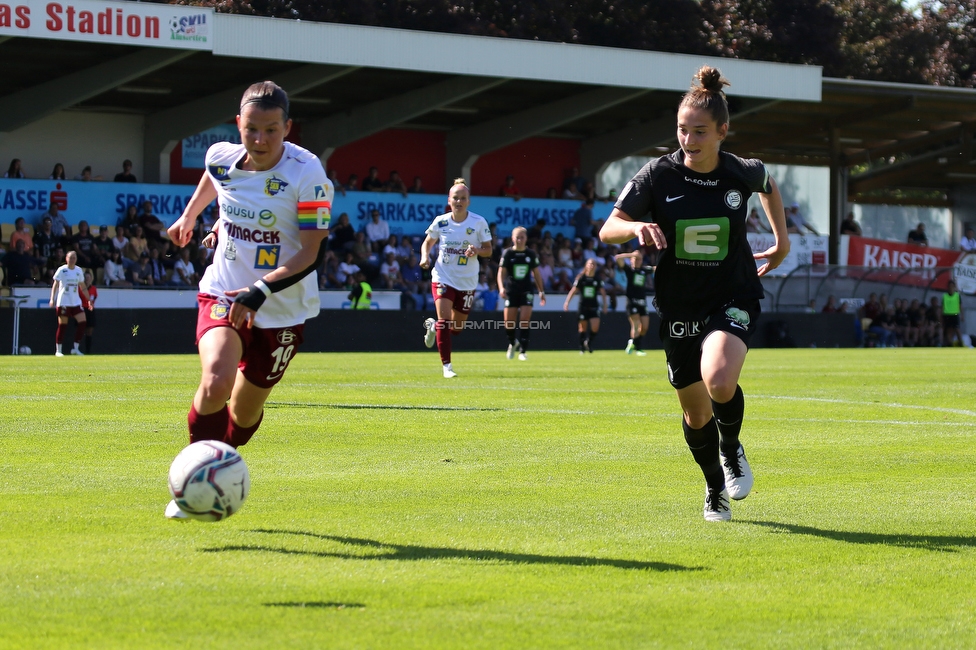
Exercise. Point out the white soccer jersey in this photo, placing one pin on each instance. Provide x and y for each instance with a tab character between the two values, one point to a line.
70	280
453	268
261	214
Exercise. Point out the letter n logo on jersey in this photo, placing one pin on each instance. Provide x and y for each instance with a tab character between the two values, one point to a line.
267	257
702	239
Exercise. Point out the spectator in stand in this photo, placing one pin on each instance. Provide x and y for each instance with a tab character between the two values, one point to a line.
152	227
83	244
103	245
14	171
883	327
141	274
22	233
404	250
799	222
396	184
159	274
390	273
918	236
391	245
871	307
509	189
583	221
564	255
551	193
968	243
44	242
56	260
19	266
59	225
417	187
183	272
588	191
361	250
136	247
115	271
130	219
547	270
754	222
372	182
339	187
902	324
534	233
57	174
831	306
415	289
86	175
126	175
327	272
120	240
573	185
343	234
377	231
850	227
916	322
352	185
346	270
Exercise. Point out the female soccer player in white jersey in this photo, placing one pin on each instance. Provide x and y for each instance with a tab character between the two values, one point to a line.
275	204
66	296
691	204
463	236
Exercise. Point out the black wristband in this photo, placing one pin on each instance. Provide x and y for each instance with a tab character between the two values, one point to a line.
253	298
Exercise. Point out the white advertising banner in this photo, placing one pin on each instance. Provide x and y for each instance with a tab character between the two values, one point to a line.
124	23
804	250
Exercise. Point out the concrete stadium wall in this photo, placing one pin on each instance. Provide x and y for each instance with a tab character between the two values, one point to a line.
170	331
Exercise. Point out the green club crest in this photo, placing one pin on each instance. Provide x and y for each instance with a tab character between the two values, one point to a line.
737	315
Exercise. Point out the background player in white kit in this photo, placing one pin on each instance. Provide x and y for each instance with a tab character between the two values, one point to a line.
66	297
275	205
462	236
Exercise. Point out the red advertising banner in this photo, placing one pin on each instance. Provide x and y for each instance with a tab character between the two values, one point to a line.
909	264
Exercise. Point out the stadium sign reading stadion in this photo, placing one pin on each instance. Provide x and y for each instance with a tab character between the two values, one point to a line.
123	23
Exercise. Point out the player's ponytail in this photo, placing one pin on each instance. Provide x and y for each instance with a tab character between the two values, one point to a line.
707	94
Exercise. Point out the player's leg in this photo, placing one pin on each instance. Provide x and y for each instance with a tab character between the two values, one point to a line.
702	437
643	323
594	330
581	328
634	331
525	320
59	335
510	314
246	411
723	355
79	333
220	353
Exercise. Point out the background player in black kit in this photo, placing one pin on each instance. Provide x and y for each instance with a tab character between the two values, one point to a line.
588	287
691	205
639	277
518	276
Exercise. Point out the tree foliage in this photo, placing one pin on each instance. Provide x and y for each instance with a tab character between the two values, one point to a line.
881	40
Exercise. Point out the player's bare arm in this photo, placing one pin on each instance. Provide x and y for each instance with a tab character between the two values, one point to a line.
483	251
620	227
539	284
772	203
501	281
182	229
293	270
425	261
54	291
569	296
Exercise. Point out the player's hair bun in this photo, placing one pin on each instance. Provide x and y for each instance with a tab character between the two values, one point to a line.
460	181
711	79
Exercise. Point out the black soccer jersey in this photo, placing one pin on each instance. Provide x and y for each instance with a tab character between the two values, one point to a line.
588	289
637	281
708	261
519	265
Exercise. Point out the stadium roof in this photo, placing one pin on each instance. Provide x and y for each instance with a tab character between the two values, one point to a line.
348	82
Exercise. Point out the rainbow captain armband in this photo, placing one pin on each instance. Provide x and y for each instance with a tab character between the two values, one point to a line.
314	215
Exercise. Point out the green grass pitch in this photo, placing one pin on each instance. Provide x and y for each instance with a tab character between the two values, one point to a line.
547	504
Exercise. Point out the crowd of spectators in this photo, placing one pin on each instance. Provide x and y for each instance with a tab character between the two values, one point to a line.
15	170
900	323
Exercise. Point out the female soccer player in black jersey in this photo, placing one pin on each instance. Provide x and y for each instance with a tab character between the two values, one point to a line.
589	287
691	204
639	277
518	276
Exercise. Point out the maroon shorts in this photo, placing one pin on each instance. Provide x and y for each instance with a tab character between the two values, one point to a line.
267	352
70	312
463	301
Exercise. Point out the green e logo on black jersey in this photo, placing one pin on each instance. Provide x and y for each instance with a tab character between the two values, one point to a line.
702	239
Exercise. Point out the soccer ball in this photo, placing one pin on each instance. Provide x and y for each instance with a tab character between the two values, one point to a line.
209	480
24	350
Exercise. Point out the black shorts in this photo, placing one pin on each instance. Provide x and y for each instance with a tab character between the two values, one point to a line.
517	298
587	314
683	339
950	321
638	307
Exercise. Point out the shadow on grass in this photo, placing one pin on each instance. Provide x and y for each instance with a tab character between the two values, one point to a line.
409	552
312	604
947	543
379	407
